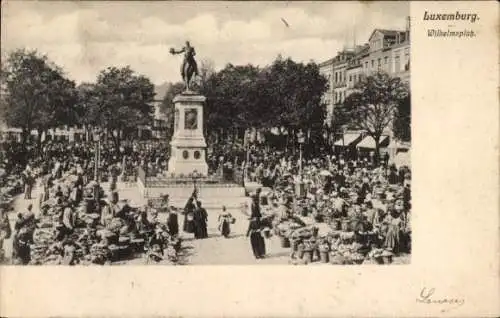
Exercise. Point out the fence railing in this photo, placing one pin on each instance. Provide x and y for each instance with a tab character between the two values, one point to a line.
228	178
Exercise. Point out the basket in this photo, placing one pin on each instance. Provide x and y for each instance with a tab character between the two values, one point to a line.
308	256
124	240
387	259
267	233
324	257
285	242
346	225
370	261
337	260
379	260
337	224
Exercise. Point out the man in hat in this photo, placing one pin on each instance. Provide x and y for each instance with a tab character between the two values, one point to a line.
339	204
255	207
172	221
68	218
201	219
29	182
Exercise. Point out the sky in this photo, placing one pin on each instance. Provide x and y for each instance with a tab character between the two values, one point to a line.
86	37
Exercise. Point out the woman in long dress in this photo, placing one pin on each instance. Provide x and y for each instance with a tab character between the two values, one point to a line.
393	237
256	239
224	222
189	216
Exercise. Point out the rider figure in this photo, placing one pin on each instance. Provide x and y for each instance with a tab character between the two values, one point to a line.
189	54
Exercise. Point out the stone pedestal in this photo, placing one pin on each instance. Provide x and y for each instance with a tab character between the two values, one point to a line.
188	146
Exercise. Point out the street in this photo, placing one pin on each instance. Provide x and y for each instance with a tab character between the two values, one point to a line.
215	250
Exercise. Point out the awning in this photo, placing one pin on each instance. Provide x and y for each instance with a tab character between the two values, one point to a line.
394	144
402	159
348	140
369	142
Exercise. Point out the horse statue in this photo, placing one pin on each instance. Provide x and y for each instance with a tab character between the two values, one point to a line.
189	66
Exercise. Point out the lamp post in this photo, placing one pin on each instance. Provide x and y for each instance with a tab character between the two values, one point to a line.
299	186
247	157
97	158
195	176
97	155
300	140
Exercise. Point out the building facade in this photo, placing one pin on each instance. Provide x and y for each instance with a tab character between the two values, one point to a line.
326	69
386	50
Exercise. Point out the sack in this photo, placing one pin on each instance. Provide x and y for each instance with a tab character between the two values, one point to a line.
233	220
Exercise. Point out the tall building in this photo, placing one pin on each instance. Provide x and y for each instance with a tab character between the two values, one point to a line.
326	69
335	72
386	50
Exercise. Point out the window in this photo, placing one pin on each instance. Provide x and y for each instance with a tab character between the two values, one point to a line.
366	64
340	76
397	64
379	62
373	63
336	77
386	59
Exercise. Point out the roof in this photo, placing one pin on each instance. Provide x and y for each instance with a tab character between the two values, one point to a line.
369	142
348	139
325	63
385	32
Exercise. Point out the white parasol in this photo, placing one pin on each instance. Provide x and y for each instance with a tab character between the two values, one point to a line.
325	173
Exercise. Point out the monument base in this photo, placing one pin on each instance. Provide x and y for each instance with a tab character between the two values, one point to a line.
187	167
188	143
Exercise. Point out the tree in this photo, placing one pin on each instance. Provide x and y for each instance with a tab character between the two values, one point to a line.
167	106
296	91
230	94
373	104
37	95
85	109
402	120
121	101
206	69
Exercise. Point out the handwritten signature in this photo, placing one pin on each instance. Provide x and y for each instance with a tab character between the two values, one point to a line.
427	297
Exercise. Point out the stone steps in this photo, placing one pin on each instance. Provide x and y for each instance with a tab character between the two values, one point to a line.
212	198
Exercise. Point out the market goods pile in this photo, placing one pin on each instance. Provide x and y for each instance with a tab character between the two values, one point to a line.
347	214
11	186
71	230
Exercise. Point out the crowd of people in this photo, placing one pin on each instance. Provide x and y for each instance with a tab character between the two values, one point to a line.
337	199
362	203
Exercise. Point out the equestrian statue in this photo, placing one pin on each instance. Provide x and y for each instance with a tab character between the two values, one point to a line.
189	66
